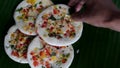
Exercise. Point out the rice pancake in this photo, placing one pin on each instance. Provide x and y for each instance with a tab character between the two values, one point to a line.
16	45
27	12
42	55
56	26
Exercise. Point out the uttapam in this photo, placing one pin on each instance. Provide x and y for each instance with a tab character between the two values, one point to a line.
42	55
26	14
56	26
16	44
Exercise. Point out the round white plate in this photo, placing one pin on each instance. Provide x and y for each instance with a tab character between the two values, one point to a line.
24	26
52	40
37	46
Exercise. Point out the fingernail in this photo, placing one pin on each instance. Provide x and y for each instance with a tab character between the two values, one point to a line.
78	8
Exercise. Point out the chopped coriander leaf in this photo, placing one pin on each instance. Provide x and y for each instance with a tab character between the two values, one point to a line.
7	47
53	34
53	54
43	67
73	34
40	2
58	63
18	50
61	26
52	17
47	29
35	5
60	7
15	39
19	17
67	55
63	55
12	46
59	36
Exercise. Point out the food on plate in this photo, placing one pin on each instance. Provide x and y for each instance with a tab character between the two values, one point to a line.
16	44
42	55
56	26
26	14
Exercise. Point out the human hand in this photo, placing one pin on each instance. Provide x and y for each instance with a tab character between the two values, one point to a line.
98	13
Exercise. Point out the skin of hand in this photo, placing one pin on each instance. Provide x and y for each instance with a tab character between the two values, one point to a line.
99	13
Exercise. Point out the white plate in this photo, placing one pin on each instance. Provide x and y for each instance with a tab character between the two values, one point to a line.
36	47
8	48
23	25
52	40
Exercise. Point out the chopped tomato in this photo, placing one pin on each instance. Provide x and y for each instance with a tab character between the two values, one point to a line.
58	37
47	64
21	39
27	41
41	6
65	34
15	53
41	53
70	26
55	11
47	52
18	46
34	57
31	24
51	28
32	53
21	45
67	31
35	63
44	24
25	55
64	60
73	30
25	10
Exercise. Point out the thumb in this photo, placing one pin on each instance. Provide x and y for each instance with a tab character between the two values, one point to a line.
80	5
78	16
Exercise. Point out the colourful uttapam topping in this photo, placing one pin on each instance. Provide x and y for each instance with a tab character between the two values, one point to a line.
31	1
49	56
29	14
58	23
19	43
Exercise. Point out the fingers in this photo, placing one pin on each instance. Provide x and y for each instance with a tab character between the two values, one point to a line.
81	16
79	5
77	16
73	2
